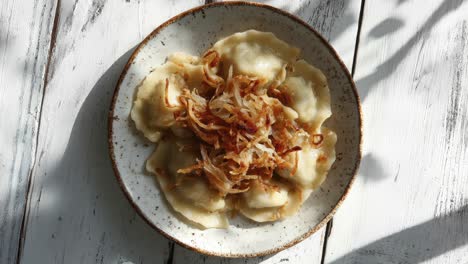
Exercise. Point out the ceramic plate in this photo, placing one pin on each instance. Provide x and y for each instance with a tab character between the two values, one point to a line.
193	32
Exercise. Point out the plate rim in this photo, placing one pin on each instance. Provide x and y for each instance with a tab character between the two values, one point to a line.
110	121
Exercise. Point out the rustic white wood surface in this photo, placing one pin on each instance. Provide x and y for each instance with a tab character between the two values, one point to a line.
25	32
410	201
408	205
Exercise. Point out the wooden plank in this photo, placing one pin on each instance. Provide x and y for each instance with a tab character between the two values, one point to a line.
338	22
77	212
410	201
25	33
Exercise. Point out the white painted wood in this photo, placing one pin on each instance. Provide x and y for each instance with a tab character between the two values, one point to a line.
408	205
410	201
338	22
308	251
25	32
77	212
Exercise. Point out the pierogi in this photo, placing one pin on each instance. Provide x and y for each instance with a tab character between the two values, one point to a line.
239	129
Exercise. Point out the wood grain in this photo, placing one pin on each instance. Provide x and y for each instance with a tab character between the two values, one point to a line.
410	201
25	33
408	205
77	212
337	21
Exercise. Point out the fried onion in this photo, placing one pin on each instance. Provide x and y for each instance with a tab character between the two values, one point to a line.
244	129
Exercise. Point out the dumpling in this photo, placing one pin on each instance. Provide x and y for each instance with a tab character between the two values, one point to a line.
309	93
189	196
153	110
259	197
290	197
302	97
182	58
197	192
288	111
269	69
157	96
194	189
314	163
256	54
192	65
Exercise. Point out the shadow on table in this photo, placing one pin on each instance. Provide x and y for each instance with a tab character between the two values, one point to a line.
386	27
415	244
330	18
389	66
371	168
85	182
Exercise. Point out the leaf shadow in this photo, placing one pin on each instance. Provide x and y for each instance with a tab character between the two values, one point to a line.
388	67
386	27
85	183
371	168
416	244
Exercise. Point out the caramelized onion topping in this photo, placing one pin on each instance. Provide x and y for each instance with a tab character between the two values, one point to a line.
244	130
317	139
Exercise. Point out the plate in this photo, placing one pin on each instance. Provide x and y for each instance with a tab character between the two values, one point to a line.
194	31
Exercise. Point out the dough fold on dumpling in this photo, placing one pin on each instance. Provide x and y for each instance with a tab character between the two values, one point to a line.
157	96
259	196
314	162
308	89
190	196
256	54
291	204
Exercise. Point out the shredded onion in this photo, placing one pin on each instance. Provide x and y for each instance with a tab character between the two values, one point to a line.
244	129
211	60
317	139
190	169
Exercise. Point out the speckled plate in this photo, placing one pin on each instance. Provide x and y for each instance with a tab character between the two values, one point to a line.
194	31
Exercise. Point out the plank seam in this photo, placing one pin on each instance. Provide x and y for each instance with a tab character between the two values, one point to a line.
353	69
170	259
358	37
25	218
327	234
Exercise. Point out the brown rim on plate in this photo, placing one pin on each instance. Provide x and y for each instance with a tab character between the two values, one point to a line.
111	119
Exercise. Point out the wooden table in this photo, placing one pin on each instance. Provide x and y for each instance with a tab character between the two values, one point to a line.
60	202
